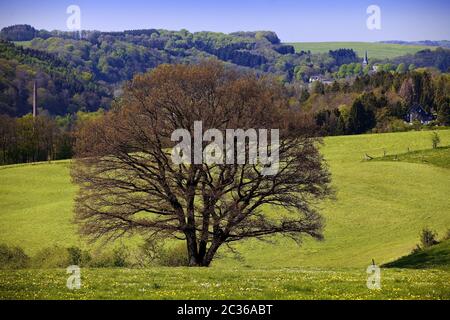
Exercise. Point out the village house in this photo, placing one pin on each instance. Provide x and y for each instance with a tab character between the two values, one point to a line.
417	113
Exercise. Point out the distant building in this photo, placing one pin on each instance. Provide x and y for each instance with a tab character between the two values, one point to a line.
320	78
417	113
365	62
315	78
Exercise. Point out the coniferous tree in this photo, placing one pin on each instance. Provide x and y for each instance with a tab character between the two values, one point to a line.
444	114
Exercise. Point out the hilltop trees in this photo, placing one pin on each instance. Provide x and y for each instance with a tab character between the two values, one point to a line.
344	56
444	114
361	118
22	32
129	183
29	139
86	73
61	88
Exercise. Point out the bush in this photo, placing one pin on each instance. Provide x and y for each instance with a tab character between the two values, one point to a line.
101	260
175	256
148	253
51	257
392	125
78	257
120	257
428	238
13	258
153	252
435	139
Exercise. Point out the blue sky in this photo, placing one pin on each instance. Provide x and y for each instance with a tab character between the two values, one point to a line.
292	20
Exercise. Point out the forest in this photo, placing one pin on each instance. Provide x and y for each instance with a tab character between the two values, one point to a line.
81	73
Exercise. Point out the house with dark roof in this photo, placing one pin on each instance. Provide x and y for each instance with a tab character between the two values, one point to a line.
320	78
417	113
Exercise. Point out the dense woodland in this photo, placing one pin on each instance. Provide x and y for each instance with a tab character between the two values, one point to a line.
80	73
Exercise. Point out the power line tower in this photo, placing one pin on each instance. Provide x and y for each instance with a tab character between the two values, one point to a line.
34	99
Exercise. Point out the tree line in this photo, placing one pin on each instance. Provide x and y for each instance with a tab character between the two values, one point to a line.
41	138
378	102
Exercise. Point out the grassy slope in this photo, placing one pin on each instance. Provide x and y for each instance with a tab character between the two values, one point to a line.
439	157
375	50
380	209
433	257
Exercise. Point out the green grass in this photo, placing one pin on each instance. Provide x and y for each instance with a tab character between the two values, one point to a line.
437	256
379	211
375	50
198	283
25	44
438	157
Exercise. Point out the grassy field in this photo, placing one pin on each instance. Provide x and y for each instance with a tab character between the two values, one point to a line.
438	157
198	283
375	50
380	208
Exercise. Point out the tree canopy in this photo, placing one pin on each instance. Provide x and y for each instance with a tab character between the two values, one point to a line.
129	183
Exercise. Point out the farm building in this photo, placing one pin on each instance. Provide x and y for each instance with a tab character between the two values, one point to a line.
417	113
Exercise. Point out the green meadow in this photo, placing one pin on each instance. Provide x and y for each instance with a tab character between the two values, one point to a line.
212	283
375	50
380	208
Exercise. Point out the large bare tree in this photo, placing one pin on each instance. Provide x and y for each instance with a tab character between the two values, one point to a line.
129	183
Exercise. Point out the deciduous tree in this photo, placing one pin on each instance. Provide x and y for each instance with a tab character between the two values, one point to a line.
129	184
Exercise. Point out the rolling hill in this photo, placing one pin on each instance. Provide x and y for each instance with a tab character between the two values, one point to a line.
379	210
433	257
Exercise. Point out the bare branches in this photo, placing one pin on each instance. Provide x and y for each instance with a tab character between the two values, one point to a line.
129	184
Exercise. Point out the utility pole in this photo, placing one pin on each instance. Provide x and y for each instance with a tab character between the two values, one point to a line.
34	99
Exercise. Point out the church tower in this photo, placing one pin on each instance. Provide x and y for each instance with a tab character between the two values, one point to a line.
365	61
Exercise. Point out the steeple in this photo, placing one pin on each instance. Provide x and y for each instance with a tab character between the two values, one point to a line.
366	60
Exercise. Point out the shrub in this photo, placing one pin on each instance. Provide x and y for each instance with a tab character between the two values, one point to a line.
101	260
392	125
78	257
52	257
153	252
435	139
175	256
428	238
416	249
148	253
13	257
120	257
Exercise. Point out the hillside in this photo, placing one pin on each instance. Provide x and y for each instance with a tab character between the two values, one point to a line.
85	72
381	207
437	256
375	50
61	88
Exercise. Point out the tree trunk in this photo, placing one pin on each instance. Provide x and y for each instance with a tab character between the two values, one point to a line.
191	247
211	253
